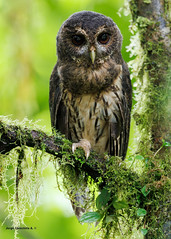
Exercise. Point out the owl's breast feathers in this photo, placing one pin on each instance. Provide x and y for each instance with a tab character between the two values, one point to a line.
97	117
92	104
81	79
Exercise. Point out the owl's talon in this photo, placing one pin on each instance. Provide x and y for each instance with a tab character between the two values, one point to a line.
84	144
74	146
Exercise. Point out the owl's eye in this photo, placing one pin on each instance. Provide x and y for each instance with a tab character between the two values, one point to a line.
103	38
78	40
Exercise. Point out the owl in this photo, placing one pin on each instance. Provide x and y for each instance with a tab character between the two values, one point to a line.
90	88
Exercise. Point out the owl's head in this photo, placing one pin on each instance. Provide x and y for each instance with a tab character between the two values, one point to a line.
88	38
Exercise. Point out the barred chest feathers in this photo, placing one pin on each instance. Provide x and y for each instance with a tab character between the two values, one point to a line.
90	115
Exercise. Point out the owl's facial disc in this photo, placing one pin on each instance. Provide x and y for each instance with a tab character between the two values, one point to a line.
91	47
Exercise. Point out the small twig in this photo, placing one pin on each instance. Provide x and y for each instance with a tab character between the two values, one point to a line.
157	151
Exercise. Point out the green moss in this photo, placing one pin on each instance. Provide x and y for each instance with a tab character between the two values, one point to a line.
124	180
133	8
21	171
147	1
125	185
143	22
150	68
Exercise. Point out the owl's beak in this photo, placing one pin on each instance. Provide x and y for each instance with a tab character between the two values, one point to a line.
92	54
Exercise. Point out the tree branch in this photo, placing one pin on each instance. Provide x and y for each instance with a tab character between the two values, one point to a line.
12	136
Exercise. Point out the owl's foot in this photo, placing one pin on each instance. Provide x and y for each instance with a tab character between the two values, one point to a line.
84	144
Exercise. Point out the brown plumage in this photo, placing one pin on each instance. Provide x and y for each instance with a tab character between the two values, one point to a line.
90	88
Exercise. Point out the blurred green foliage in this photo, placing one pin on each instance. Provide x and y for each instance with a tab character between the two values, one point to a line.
28	32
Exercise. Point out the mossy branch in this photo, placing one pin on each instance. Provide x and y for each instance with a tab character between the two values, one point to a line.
12	136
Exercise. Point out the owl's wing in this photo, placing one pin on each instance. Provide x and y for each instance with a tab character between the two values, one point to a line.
119	131
59	120
58	111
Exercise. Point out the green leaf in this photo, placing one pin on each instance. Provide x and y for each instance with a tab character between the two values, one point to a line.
144	231
90	217
144	191
102	199
166	144
141	212
130	159
140	157
120	204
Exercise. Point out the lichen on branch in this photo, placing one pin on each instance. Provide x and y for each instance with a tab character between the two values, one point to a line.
130	190
13	136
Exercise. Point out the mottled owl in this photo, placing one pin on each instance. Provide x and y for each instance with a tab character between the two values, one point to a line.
90	88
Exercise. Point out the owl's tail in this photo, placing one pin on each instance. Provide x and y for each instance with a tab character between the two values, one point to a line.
79	204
